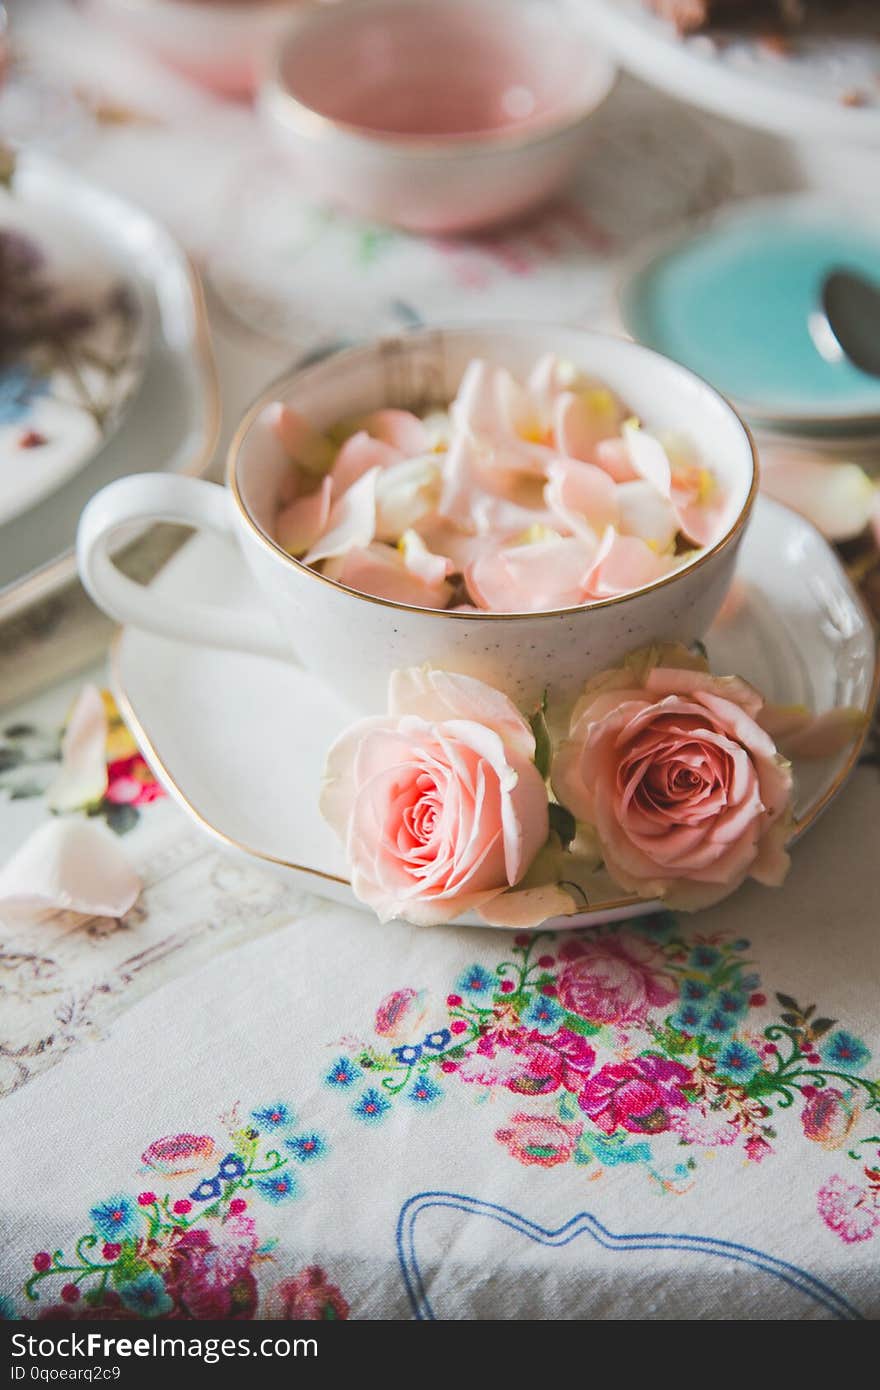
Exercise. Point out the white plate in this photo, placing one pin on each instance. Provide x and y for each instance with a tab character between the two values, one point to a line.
173	419
67	388
239	741
799	95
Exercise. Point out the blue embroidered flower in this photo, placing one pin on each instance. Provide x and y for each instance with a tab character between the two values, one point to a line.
718	1024
207	1189
704	957
116	1218
845	1051
687	1019
278	1187
343	1073
408	1054
741	944
371	1106
435	1042
19	386
424	1091
737	1062
544	1015
146	1295
305	1147
475	980
732	1003
695	991
273	1117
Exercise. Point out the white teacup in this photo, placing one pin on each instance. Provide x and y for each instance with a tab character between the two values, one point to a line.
352	640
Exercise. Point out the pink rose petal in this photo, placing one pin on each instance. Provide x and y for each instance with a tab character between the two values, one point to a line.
399	428
382	570
839	498
528	578
581	498
301	441
352	521
68	865
302	521
82	778
625	563
648	457
360	455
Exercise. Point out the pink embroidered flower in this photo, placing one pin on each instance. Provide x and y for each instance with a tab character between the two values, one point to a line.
311	1297
615	980
179	1153
685	791
705	1127
636	1096
439	803
131	783
210	1269
400	1012
828	1117
757	1148
563	1059
850	1212
540	1139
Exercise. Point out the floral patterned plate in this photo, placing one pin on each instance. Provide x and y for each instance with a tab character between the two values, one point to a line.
73	331
240	740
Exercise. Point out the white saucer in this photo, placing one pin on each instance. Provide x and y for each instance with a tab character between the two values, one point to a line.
239	741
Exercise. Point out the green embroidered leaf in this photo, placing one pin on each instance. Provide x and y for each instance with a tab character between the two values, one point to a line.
543	745
576	1024
787	1002
562	822
793	1020
121	819
820	1026
19	731
456	1053
568	1107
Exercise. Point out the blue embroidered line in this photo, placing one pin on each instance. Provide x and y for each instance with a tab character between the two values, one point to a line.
585	1223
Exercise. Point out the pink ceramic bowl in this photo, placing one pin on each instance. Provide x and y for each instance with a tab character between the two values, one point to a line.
222	44
436	115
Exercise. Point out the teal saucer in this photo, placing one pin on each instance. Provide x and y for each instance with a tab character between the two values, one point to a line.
732	300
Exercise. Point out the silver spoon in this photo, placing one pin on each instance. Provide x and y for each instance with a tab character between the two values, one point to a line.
848	324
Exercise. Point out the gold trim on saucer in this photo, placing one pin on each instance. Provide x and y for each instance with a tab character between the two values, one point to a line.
399	342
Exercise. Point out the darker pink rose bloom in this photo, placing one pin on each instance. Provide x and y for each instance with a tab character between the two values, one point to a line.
438	803
685	791
615	980
564	1059
540	1139
210	1270
828	1117
757	1149
179	1153
636	1096
851	1212
311	1297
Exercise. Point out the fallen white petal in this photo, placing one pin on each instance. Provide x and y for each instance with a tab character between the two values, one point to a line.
352	522
82	777
68	865
839	498
648	457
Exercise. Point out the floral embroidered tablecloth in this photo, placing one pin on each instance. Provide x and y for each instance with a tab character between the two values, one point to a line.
674	1117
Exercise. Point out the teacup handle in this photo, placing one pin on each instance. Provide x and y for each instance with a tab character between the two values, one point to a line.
150	497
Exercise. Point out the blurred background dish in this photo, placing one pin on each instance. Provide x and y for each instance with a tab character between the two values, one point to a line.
73	335
221	44
737	298
819	81
172	420
435	115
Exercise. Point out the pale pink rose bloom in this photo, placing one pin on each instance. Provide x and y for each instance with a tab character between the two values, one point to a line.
439	803
850	1212
687	793
410	574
